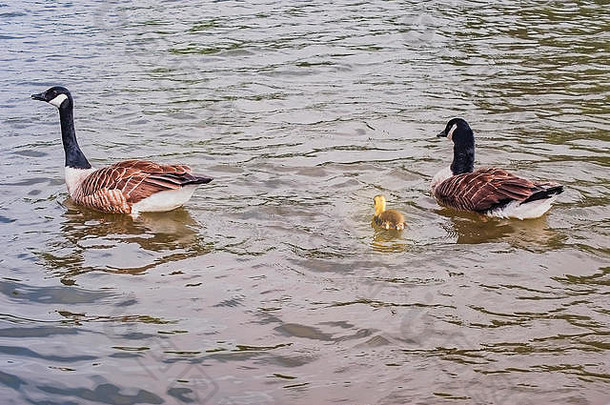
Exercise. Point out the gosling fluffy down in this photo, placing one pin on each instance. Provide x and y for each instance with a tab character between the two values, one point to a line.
387	219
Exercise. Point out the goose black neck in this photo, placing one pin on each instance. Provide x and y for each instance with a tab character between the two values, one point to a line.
74	156
463	154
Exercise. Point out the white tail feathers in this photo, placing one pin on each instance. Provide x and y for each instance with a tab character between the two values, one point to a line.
528	210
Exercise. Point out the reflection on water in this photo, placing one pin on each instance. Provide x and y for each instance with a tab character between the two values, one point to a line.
95	241
470	228
270	286
388	240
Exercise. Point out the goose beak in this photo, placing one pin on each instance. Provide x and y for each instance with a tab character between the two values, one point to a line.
39	96
441	134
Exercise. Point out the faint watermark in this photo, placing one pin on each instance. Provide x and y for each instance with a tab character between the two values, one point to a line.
424	331
159	46
184	378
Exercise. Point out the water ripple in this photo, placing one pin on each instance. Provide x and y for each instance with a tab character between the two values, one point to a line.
271	286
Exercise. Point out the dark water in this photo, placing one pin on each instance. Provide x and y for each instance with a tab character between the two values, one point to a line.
270	286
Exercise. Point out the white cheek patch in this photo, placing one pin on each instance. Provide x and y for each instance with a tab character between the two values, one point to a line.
58	100
450	134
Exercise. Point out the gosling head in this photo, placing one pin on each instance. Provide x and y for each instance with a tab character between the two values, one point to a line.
57	96
379	203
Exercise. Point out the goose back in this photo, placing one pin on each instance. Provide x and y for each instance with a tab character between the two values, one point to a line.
484	190
118	187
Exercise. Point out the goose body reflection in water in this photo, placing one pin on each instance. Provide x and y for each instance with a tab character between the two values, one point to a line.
118	243
471	228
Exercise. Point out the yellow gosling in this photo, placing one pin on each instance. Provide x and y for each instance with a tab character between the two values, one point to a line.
388	219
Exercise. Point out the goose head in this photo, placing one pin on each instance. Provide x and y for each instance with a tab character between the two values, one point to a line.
458	131
57	96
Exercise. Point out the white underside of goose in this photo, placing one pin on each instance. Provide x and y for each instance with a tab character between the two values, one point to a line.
164	200
528	210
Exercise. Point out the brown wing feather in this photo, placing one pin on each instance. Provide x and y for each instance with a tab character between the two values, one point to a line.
106	200
482	189
390	219
133	179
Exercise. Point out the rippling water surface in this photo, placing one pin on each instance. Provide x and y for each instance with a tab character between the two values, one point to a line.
270	286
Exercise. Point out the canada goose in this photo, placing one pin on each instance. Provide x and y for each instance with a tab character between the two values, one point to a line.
127	187
489	191
388	219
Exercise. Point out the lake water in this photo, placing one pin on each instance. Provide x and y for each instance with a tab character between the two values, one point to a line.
270	286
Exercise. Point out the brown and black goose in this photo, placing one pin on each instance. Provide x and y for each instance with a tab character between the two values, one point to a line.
489	191
127	187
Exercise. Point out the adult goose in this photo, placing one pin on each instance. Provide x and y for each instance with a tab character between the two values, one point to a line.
127	187
489	191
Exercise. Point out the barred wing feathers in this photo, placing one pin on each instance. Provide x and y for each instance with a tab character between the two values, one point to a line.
485	189
115	188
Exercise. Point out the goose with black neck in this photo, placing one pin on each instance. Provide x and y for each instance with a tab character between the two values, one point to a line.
489	191
126	187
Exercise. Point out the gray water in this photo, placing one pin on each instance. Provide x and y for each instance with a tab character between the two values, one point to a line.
270	286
